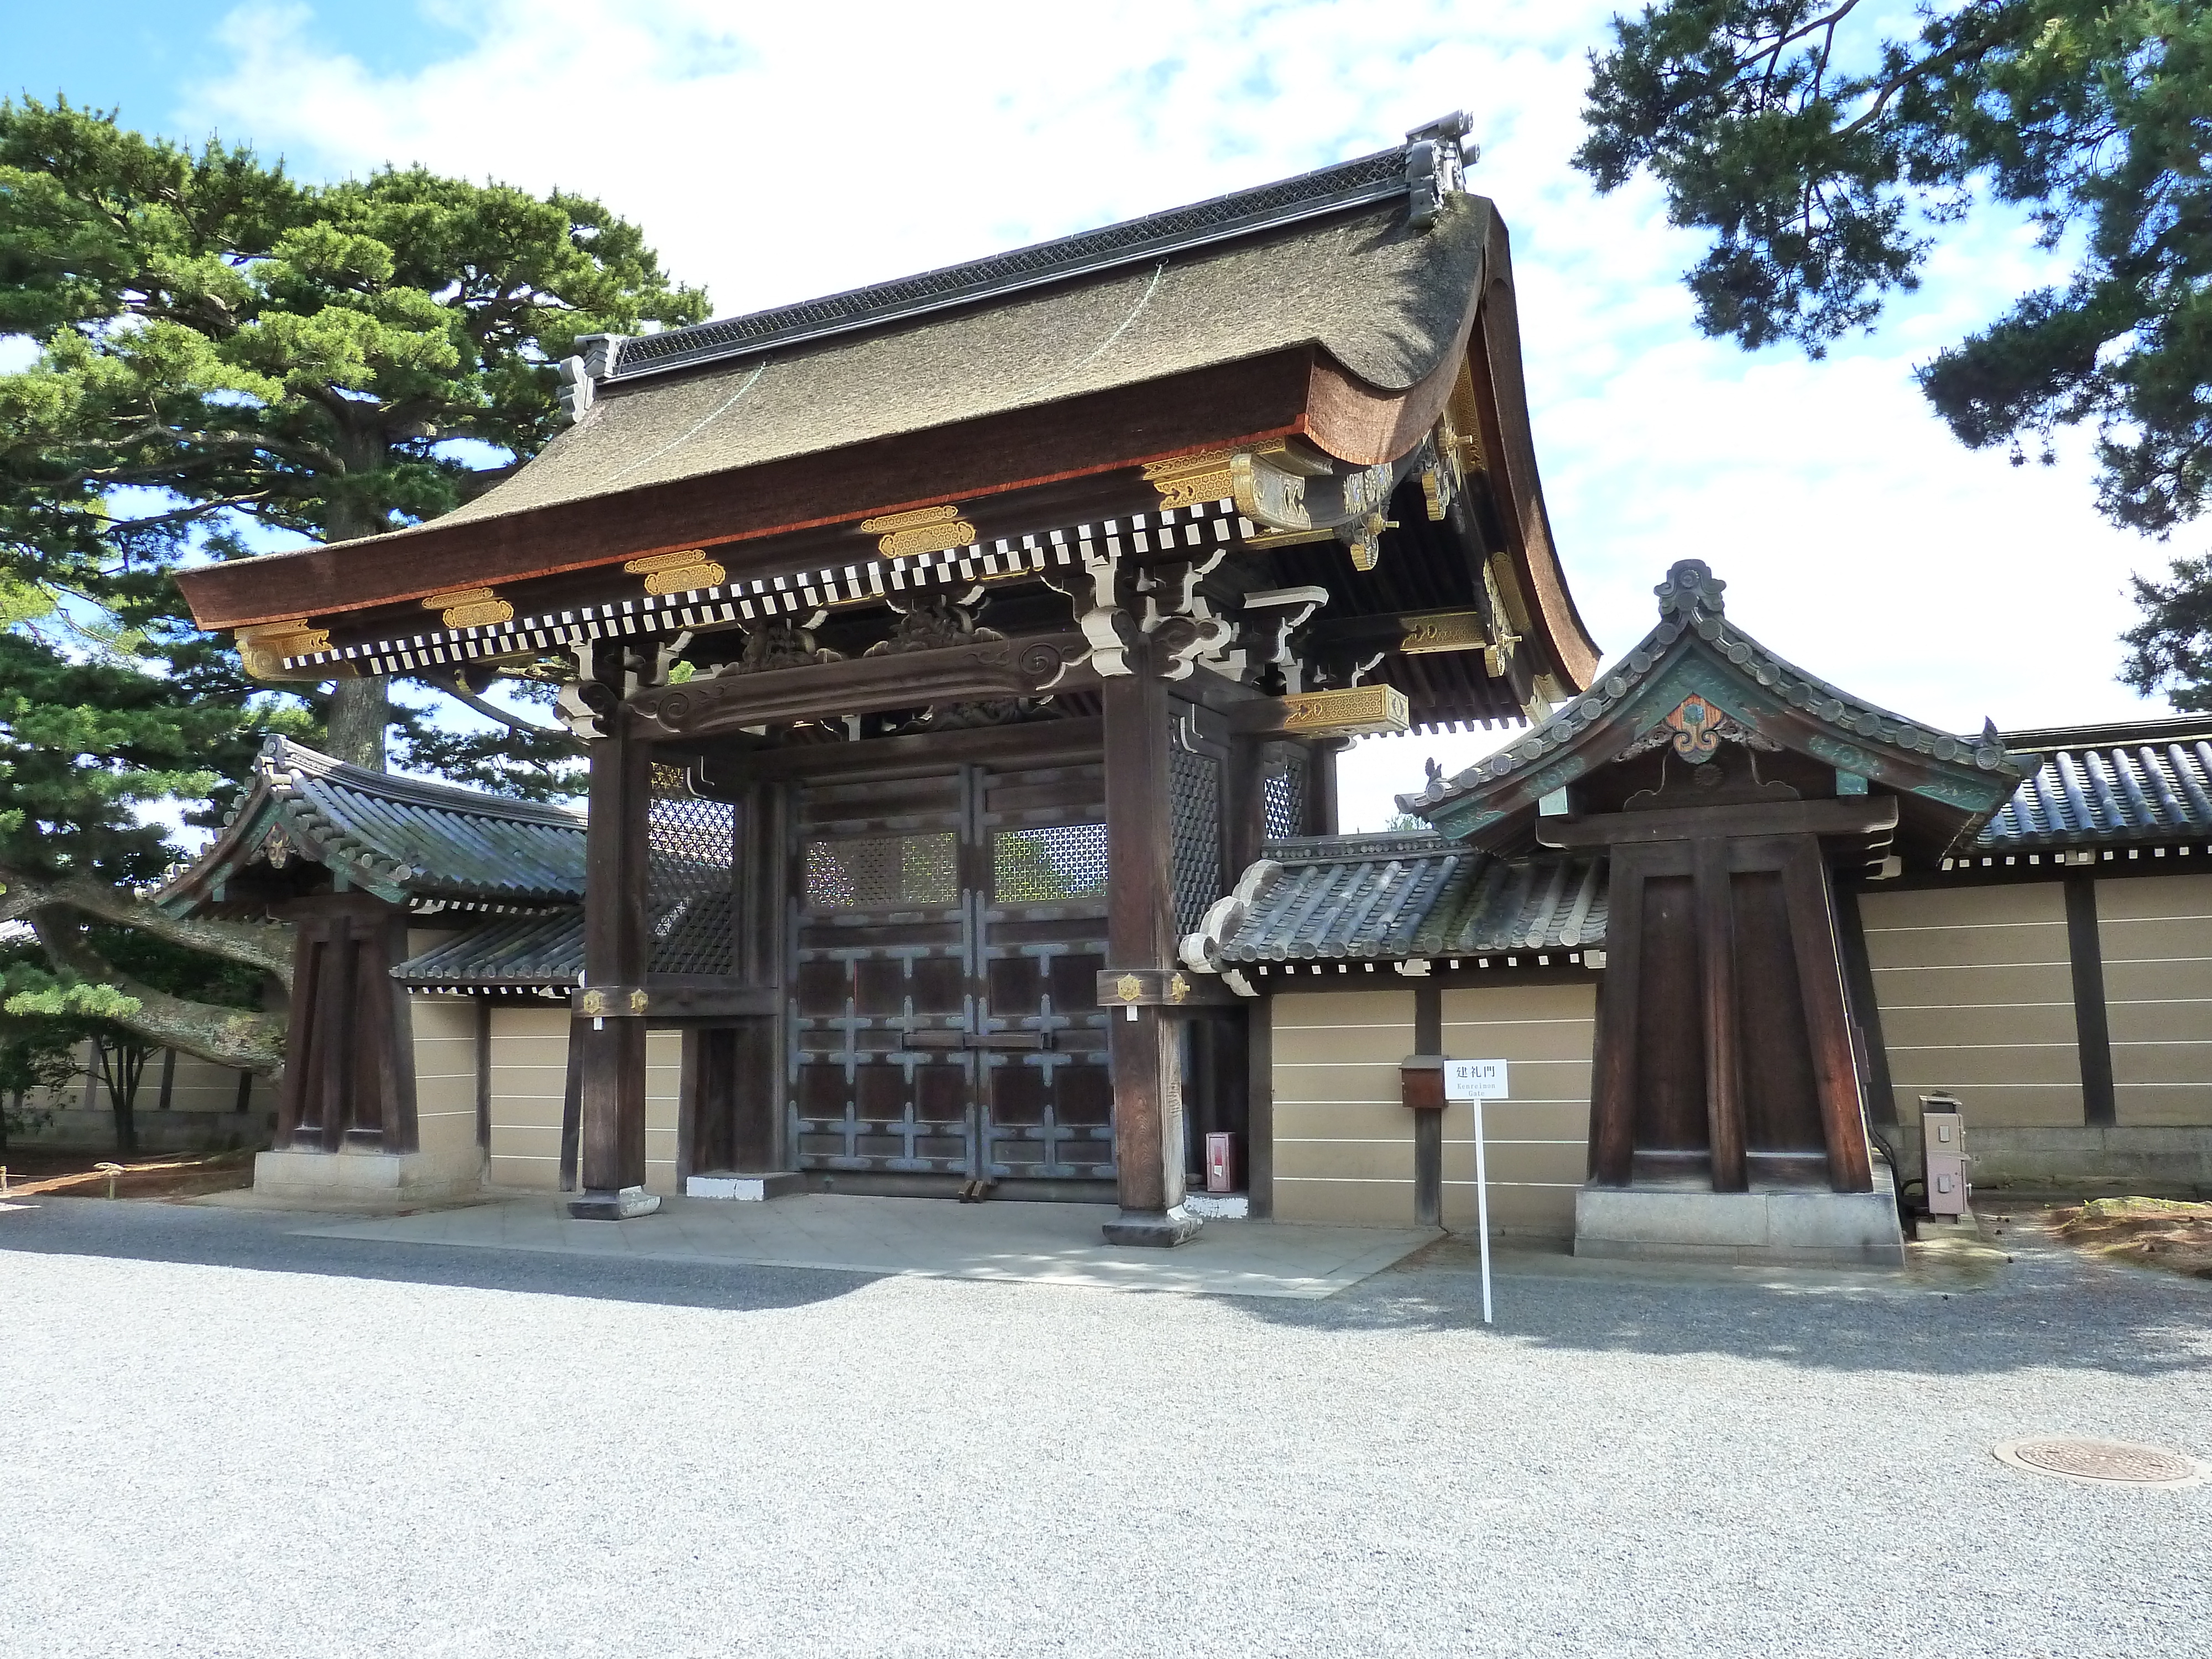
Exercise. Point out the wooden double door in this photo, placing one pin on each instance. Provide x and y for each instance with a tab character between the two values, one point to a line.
1725	1046
947	932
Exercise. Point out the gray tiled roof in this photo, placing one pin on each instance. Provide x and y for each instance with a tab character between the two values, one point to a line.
508	953
1399	897
404	839
2149	782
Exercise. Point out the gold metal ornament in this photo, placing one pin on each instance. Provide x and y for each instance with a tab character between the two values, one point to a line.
469	607
1352	711
262	649
593	1004
922	530
1129	987
1190	480
684	571
1428	632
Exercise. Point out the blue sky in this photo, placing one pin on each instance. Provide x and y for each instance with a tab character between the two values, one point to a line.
772	155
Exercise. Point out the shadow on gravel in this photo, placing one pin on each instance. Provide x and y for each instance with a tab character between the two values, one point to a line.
2049	1308
264	1243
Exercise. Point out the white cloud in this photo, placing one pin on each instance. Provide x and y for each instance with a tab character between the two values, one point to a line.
797	150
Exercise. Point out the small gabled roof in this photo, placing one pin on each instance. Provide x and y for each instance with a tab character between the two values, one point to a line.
1399	897
403	839
2140	782
1695	652
507	953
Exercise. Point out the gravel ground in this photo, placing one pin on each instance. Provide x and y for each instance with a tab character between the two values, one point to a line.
222	1440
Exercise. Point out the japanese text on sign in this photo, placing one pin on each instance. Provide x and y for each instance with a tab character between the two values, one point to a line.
1474	1079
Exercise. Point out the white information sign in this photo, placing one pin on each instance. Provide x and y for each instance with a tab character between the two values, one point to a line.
1478	1080
1475	1080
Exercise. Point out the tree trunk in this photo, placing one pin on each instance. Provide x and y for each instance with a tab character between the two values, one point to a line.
360	712
266	945
121	1077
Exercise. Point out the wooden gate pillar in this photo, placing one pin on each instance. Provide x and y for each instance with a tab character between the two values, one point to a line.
610	1041
1143	1051
348	1074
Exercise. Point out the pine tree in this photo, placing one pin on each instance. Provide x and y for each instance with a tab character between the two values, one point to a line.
225	352
1825	162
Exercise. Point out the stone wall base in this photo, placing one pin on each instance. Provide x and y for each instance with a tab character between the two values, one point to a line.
1762	1228
745	1188
2094	1160
351	1178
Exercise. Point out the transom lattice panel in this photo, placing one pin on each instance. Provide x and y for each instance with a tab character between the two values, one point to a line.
1045	865
691	852
1195	834
869	872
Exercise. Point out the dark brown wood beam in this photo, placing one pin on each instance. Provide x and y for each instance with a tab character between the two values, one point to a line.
1809	896
1848	815
1717	964
2091	1023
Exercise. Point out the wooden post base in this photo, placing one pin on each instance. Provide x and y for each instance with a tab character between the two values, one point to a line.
1428	1166
1156	1229
624	1203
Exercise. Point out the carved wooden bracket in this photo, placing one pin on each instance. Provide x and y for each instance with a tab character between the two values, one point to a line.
976	672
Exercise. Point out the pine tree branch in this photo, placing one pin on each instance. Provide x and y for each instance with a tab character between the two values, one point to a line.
237	1037
264	946
460	694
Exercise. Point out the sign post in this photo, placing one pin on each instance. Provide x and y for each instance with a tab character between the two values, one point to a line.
1476	1081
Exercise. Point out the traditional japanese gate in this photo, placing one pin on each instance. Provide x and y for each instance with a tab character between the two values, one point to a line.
948	931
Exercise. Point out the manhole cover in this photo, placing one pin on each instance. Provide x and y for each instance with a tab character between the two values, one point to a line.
2103	1463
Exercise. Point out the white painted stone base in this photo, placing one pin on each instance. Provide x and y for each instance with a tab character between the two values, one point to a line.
1768	1229
744	1189
1220	1207
352	1178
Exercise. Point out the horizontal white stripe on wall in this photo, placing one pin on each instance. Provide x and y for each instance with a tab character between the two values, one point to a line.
1968	1047
1960	926
1974	967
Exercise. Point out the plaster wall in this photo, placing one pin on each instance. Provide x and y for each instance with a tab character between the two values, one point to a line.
1344	1140
2155	935
529	1076
445	1031
1343	1143
1975	990
1536	1141
201	1115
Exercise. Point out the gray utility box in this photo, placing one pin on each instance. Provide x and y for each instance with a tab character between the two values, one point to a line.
1943	1154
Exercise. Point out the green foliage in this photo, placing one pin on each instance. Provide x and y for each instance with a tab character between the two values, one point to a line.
1823	162
38	1054
2171	649
221	345
226	352
304	355
83	743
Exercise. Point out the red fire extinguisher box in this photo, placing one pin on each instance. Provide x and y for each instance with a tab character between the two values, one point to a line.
1221	1162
